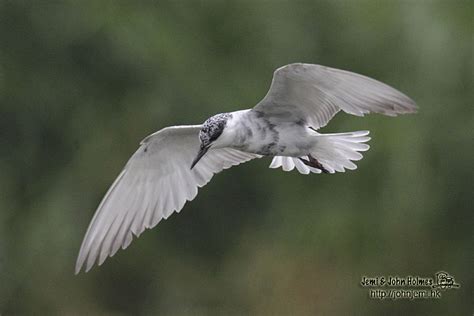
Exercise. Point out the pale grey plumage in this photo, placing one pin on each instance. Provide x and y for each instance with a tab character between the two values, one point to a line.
315	93
155	182
158	180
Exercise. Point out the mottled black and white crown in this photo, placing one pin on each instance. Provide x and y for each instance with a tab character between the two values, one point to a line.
213	128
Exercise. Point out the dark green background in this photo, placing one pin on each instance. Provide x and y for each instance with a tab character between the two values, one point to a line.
82	82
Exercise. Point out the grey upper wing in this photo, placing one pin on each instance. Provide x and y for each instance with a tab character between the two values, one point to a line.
315	93
156	181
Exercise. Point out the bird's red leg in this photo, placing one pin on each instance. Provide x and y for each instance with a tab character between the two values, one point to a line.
313	162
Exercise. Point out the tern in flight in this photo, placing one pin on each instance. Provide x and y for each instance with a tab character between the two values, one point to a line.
171	164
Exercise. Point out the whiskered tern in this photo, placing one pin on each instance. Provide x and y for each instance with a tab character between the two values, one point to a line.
171	164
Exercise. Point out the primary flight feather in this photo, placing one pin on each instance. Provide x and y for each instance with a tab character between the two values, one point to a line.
171	164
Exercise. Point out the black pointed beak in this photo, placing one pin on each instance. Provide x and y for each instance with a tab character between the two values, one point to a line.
202	151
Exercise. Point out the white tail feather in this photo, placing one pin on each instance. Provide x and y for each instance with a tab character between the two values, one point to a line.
334	151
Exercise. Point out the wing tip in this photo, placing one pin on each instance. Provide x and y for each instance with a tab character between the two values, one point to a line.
79	265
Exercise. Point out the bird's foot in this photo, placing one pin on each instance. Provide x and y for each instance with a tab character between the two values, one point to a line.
313	162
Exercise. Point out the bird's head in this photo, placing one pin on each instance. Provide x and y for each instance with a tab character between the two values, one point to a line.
210	132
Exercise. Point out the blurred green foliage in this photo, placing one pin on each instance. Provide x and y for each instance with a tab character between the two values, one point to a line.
82	82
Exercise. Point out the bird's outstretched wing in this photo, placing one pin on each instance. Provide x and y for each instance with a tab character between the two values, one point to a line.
156	181
314	94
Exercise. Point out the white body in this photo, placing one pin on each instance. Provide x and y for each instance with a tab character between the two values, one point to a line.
249	132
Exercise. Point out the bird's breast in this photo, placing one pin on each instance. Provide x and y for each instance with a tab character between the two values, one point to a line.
262	136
